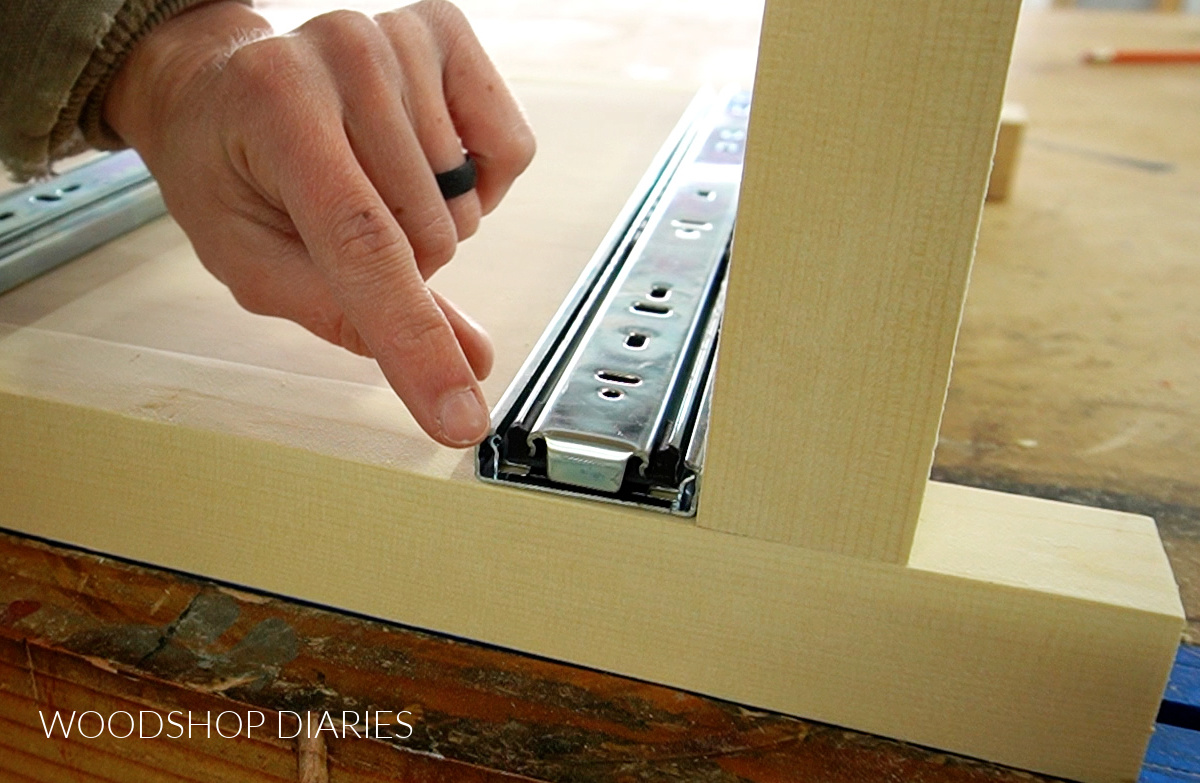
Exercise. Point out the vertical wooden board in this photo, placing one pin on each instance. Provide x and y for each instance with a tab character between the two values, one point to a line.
868	154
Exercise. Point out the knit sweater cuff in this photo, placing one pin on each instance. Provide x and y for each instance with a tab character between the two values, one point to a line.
85	108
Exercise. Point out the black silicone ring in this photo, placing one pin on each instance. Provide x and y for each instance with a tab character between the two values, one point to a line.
455	182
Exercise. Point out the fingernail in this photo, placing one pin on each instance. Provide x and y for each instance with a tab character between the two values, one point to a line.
464	420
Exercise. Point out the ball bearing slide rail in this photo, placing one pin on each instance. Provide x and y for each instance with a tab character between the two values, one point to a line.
48	223
613	402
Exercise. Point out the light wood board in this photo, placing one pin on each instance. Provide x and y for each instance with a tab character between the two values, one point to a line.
1013	121
870	146
1023	631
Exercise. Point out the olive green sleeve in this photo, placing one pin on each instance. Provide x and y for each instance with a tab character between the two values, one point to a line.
57	60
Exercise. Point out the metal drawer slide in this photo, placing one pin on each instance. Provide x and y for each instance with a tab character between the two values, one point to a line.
48	223
613	402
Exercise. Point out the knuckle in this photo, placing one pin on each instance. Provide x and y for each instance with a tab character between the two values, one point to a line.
467	213
362	238
524	146
409	37
354	46
341	26
446	21
441	12
416	334
401	22
468	225
436	241
514	155
266	72
260	62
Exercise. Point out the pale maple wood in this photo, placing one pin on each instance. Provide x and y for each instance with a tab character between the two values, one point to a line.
1013	121
869	148
1024	631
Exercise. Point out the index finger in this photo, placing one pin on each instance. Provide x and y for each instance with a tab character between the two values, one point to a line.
352	236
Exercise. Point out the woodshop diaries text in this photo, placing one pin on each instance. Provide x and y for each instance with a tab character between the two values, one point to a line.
177	724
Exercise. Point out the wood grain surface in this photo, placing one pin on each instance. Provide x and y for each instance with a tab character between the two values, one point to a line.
870	142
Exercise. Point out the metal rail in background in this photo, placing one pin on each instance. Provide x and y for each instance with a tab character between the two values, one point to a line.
48	223
613	402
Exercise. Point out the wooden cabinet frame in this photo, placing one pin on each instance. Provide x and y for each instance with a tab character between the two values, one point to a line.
824	575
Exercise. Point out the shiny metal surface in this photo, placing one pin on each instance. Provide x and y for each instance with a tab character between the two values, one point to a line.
615	398
48	223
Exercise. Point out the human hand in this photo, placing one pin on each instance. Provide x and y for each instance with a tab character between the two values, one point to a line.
302	169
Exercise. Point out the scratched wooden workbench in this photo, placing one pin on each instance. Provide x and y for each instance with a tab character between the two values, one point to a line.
1077	377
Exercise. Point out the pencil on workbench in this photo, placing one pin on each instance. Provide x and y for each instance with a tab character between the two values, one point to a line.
1141	56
